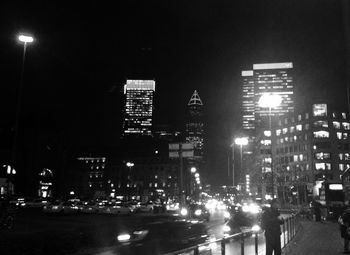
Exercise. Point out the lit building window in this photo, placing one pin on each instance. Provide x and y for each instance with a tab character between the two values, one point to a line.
155	185
336	124
265	142
295	158
343	115
334	115
301	157
150	184
307	116
278	132
292	129
285	121
322	155
295	138
322	166
319	110
321	123
321	134
285	130
299	117
345	136
341	156
346	125
267	133
341	167
299	127
346	156
339	134
156	177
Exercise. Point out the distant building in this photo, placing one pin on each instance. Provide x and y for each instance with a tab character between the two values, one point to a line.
195	125
138	112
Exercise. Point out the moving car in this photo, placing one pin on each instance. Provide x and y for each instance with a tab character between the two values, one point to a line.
161	237
199	212
243	219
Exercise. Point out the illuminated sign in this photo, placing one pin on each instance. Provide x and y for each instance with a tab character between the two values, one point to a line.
248	73
336	186
266	66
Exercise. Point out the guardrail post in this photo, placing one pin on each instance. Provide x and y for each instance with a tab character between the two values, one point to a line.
284	232
256	243
242	244
288	230
223	246
196	250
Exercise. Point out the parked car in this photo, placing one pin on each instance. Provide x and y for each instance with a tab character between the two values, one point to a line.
146	207
162	237
61	207
116	209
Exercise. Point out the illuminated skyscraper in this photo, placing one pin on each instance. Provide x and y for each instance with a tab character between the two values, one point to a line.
195	126
138	107
271	78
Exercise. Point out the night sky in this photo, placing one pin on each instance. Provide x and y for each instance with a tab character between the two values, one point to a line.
75	71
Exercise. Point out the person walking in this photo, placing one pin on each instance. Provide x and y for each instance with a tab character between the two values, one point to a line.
271	222
344	221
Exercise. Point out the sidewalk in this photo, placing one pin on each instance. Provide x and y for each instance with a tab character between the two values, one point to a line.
316	238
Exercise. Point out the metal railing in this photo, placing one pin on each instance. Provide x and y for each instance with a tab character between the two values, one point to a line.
288	228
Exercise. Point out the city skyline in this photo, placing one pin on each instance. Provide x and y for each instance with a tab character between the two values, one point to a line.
73	81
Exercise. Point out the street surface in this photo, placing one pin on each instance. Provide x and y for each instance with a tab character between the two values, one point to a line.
37	233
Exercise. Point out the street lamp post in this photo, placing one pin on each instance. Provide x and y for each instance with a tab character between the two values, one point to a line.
270	101
25	39
241	141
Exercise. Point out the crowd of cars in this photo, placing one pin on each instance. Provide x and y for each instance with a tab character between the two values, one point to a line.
73	206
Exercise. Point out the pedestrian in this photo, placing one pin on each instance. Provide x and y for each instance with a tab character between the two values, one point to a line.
344	221
271	222
317	210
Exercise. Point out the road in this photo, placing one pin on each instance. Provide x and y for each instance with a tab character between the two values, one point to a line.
36	233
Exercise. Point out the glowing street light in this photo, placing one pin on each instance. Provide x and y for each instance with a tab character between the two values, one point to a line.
270	101
196	175
25	39
130	164
193	169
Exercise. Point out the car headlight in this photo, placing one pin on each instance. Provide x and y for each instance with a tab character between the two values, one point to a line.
226	228
227	214
184	211
123	237
198	212
256	228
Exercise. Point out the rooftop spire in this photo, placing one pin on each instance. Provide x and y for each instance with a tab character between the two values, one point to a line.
195	99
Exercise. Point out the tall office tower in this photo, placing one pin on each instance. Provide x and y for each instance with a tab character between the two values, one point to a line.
138	110
271	78
275	79
248	103
195	126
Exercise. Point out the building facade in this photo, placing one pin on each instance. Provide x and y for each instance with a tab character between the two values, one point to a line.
307	149
138	112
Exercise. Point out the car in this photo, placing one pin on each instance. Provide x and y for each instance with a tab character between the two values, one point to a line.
146	207
199	212
89	207
116	209
243	221
60	207
163	236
